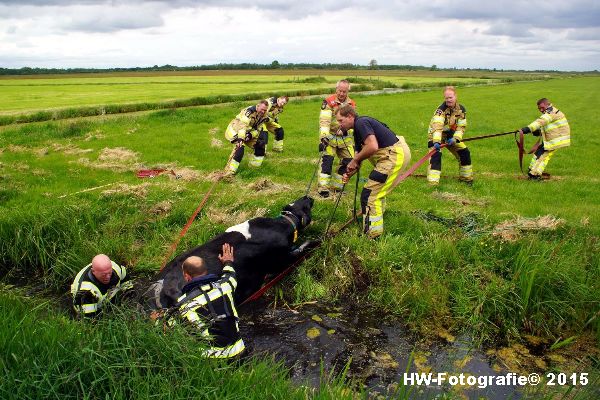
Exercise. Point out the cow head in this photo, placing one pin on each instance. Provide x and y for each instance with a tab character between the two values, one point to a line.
301	209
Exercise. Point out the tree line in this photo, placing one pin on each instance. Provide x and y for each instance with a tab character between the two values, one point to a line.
241	66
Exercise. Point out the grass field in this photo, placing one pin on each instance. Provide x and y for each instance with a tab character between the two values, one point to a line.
454	257
33	93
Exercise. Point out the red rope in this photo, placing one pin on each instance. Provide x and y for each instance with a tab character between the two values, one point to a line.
289	269
193	217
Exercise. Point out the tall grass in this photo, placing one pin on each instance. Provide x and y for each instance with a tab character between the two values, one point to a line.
435	271
44	355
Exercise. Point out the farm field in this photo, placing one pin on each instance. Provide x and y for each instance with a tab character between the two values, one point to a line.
35	93
503	261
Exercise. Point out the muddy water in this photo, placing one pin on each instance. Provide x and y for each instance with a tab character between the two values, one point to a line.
315	337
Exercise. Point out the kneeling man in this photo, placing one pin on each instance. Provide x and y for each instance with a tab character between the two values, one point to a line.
207	305
387	152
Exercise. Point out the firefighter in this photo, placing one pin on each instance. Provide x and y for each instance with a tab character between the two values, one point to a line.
388	153
207	306
552	125
244	130
448	125
271	125
96	284
334	141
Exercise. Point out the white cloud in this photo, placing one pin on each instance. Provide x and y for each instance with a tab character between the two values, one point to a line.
463	33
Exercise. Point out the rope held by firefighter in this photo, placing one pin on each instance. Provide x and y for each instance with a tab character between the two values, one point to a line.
193	217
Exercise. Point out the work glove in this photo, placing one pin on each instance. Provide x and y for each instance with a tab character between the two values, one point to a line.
451	141
323	144
525	130
248	136
437	147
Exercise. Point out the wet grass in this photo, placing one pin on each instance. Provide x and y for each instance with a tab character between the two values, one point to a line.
440	263
45	355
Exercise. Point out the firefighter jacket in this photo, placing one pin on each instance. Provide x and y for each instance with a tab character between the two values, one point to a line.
328	125
448	122
555	129
89	294
273	110
248	120
207	306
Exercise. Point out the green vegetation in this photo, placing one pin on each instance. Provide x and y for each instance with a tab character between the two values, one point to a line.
48	356
35	99
453	257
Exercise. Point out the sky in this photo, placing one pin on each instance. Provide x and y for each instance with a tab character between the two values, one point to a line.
550	34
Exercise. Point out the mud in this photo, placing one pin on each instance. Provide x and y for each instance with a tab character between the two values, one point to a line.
375	350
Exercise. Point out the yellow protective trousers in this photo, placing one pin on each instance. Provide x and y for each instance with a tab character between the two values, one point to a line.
343	148
389	162
277	130
540	160
462	155
257	144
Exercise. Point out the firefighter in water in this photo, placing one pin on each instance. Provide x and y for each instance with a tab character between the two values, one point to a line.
333	140
554	128
244	130
275	107
97	284
388	153
448	126
207	306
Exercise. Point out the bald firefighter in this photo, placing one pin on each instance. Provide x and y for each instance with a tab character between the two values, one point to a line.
333	140
97	284
554	128
271	125
448	126
388	153
244	130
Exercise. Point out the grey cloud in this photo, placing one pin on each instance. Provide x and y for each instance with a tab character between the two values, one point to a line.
537	13
584	34
506	28
109	20
520	21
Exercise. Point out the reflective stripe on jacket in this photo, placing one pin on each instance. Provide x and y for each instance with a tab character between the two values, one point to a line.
89	295
327	122
209	307
447	122
555	129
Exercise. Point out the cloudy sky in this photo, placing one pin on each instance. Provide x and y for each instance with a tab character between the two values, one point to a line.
510	34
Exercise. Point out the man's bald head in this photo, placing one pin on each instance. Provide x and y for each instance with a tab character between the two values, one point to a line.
102	268
194	266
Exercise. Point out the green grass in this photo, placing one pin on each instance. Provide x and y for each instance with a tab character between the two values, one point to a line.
31	99
452	272
44	355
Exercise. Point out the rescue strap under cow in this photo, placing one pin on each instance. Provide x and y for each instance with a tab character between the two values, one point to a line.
289	269
431	152
193	217
520	141
317	163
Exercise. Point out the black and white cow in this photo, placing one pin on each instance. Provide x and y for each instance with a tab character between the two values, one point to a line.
261	246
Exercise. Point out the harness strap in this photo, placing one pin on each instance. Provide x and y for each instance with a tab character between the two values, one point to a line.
289	219
521	145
